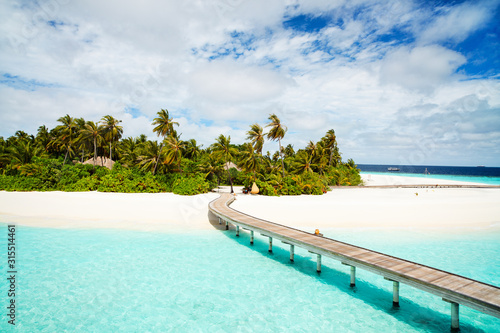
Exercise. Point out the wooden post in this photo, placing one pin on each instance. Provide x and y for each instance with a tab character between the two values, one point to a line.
395	294
237	231
251	237
270	244
318	263
353	276
454	316
292	252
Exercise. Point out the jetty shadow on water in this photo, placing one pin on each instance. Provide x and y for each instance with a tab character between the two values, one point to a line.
409	312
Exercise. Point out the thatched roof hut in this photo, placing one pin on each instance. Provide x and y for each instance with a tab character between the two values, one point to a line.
230	165
101	161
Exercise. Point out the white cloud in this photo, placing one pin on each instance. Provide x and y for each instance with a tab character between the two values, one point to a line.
457	23
420	68
230	82
105	57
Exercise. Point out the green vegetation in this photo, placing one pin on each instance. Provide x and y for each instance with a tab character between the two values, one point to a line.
53	160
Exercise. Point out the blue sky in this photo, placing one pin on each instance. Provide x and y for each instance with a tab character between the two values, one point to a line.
401	82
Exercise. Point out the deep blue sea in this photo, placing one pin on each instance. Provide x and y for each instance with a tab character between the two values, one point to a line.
486	175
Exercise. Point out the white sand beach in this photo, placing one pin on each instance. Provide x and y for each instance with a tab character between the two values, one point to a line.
135	211
350	207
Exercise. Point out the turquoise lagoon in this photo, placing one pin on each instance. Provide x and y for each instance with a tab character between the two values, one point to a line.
440	178
75	280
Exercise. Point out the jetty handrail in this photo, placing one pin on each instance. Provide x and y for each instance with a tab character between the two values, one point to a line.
487	299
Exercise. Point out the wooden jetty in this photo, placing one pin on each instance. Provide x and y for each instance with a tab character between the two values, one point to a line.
452	288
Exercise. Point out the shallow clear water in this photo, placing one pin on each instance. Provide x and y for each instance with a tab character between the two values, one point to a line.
211	281
473	179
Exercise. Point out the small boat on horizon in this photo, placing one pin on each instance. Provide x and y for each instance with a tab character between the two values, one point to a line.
392	169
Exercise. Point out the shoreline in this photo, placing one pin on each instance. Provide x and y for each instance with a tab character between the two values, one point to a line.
453	209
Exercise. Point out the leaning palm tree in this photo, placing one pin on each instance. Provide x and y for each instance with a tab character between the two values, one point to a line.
163	127
223	150
277	132
66	133
256	135
92	132
112	131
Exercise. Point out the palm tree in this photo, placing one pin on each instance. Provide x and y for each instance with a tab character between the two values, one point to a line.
129	150
23	152
174	147
92	132
163	126
304	162
112	131
212	166
192	150
82	144
289	151
43	137
250	161
223	150
331	143
148	160
277	132
66	133
256	135
311	148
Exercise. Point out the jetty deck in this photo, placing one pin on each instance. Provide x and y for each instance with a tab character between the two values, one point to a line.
452	288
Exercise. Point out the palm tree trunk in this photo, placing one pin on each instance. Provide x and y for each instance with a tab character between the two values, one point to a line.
229	174
159	153
66	156
281	155
95	152
110	149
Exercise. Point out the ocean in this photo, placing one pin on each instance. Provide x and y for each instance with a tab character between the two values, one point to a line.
98	280
486	175
78	280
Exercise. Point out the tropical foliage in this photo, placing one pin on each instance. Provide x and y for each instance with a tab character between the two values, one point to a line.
53	160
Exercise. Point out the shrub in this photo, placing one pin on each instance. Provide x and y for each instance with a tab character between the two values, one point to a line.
191	185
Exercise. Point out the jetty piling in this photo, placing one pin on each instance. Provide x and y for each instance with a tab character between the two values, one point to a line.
353	275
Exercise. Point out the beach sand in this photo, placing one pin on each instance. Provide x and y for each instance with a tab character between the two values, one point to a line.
350	207
133	211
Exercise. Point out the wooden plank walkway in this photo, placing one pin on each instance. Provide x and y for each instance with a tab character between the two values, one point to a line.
453	288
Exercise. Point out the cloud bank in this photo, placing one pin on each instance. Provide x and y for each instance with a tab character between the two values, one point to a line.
399	81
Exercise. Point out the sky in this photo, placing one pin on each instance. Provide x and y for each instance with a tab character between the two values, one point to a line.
400	82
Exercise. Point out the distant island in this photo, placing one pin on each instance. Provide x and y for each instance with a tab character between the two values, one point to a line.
80	155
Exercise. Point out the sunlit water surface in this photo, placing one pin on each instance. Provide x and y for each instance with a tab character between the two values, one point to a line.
210	281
